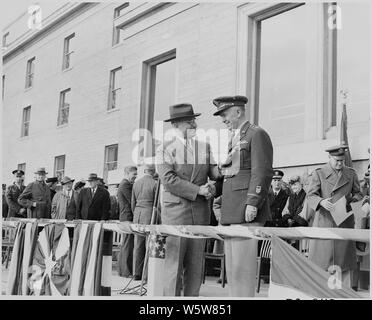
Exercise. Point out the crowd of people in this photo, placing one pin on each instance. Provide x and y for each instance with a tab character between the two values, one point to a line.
245	189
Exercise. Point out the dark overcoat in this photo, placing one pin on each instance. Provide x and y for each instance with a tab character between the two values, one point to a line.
38	192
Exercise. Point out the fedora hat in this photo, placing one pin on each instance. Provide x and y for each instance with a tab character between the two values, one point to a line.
41	170
66	179
79	184
92	177
181	111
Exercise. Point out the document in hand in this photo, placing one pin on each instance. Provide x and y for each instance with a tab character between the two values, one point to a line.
338	212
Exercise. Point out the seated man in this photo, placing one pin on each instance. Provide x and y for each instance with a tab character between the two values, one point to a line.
294	205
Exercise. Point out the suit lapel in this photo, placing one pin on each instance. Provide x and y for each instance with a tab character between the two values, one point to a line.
342	180
94	196
196	165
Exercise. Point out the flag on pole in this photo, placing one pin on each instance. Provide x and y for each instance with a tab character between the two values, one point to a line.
156	254
293	276
343	136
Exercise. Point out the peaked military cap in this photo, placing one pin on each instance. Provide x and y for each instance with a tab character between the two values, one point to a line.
337	150
18	173
226	102
278	174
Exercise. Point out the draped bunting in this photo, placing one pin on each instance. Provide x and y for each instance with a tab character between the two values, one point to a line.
85	268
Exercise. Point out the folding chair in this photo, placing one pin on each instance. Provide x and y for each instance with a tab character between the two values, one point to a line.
215	256
263	258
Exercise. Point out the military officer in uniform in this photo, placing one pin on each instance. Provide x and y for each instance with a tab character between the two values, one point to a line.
184	165
328	184
277	200
247	176
12	194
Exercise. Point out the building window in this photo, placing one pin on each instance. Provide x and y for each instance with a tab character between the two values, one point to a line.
111	159
26	121
5	40
67	52
64	107
117	13
30	72
114	89
158	91
22	166
353	61
59	167
3	87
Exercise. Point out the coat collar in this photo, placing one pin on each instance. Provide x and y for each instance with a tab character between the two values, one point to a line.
332	176
242	130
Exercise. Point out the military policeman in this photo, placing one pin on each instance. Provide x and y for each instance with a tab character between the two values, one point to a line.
247	176
12	194
328	184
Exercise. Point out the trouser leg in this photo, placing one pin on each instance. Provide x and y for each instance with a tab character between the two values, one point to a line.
193	266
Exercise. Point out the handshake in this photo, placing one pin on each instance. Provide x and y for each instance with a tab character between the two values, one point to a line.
207	190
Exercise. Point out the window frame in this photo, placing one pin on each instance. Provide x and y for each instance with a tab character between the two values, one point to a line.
116	31
112	96
62	107
26	110
4	40
66	63
106	163
30	73
22	166
57	171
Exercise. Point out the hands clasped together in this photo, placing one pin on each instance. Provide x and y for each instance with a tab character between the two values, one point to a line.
207	190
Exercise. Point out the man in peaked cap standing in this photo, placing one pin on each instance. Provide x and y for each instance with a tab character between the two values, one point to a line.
36	197
184	165
12	194
277	200
328	184
247	176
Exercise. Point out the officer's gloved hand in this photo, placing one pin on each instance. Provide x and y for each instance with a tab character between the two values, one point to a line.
250	213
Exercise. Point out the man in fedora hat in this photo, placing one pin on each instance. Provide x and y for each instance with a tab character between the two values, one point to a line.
93	202
12	194
63	204
184	165
328	184
36	197
52	184
247	177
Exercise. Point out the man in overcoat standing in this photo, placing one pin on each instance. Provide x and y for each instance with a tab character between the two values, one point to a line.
126	214
329	184
247	177
12	194
93	202
184	164
36	197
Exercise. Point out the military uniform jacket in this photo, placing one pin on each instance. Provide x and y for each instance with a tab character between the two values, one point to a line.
12	194
38	192
277	203
325	183
248	177
182	170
